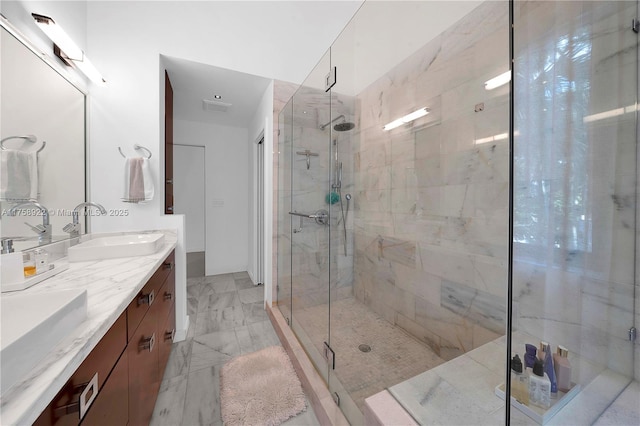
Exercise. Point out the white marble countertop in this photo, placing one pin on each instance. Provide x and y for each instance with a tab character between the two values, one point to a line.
111	285
462	391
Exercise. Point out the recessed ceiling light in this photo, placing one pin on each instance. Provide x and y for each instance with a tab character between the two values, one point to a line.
217	97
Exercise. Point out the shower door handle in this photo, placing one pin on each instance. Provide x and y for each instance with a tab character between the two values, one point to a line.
321	216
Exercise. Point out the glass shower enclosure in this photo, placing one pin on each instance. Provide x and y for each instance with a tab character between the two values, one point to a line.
425	192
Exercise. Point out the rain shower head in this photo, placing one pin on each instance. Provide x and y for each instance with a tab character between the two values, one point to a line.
341	127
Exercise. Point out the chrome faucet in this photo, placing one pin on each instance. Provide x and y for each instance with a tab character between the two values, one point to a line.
75	228
44	230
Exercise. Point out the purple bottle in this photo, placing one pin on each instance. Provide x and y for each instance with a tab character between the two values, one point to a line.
530	355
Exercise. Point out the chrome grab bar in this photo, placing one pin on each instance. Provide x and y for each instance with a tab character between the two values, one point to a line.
321	217
309	216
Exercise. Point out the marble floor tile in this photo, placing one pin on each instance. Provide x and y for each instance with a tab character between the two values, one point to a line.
190	390
179	359
213	349
251	295
263	335
192	305
244	283
221	319
202	401
169	406
195	289
223	286
244	340
256	336
241	275
254	312
217	301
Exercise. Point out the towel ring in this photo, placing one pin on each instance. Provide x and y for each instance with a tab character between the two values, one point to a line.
136	146
30	138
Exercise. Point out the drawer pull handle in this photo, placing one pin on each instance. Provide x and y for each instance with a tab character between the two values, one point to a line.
169	335
146	299
147	343
88	395
168	265
168	296
77	394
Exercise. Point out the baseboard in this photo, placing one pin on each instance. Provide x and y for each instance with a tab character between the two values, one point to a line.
182	334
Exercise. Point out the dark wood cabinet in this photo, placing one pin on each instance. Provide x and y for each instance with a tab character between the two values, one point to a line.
143	368
111	406
118	382
81	390
149	294
147	347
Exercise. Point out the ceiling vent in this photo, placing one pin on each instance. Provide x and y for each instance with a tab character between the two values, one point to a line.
211	105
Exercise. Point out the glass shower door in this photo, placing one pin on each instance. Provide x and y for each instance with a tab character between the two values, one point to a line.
575	168
285	169
309	216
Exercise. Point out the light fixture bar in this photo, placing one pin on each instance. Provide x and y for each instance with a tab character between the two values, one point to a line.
498	81
406	119
68	50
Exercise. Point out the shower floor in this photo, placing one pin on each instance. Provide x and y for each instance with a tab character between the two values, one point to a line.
395	356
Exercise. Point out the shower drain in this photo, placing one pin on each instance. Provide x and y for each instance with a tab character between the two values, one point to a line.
364	348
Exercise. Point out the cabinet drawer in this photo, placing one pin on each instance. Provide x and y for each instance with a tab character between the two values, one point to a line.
148	295
167	295
87	379
144	377
168	330
111	405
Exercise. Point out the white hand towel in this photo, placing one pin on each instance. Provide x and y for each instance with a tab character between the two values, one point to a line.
19	175
138	182
148	180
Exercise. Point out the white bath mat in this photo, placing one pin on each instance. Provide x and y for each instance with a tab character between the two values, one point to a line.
260	388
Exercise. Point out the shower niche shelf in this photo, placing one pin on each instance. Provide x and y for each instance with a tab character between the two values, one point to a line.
540	415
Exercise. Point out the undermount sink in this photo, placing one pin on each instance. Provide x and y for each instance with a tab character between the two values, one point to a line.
116	246
32	325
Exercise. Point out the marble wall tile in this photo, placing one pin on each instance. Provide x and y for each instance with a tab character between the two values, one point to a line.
475	305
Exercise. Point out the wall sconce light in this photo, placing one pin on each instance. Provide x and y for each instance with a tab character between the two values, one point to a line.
65	49
498	81
406	119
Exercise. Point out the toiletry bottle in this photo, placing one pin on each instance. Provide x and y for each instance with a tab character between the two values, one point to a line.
539	386
541	348
529	356
562	369
519	381
41	258
29	264
549	369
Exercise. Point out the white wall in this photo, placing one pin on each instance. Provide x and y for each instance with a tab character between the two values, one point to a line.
226	189
189	193
261	123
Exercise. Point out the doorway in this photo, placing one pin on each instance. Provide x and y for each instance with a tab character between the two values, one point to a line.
189	199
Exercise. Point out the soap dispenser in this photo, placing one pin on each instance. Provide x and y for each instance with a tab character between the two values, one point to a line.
539	386
519	381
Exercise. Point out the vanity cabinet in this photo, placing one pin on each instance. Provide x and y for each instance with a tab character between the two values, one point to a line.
118	382
146	347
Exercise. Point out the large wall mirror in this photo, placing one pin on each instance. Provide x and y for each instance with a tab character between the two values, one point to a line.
37	100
